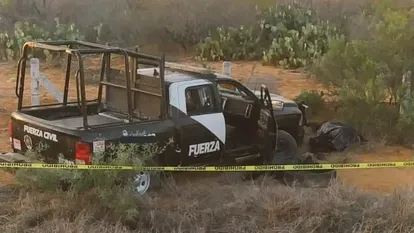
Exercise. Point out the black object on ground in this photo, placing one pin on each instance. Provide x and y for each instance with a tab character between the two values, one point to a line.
334	137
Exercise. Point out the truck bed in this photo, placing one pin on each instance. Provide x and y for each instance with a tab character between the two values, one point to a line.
69	117
93	120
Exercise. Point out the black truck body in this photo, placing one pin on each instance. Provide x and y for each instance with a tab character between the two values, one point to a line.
145	105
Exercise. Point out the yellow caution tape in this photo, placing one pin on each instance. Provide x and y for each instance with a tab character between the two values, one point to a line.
292	167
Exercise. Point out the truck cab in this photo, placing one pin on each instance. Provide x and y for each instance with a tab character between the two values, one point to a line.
216	118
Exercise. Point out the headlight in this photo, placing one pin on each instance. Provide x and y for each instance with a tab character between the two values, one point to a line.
277	105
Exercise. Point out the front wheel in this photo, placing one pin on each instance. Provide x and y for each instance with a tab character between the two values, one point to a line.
286	153
286	149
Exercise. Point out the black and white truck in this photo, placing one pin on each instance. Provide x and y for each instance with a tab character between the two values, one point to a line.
212	118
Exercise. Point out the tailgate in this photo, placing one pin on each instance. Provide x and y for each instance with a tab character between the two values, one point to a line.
44	141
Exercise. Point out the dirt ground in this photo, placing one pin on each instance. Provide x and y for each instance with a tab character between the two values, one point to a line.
286	83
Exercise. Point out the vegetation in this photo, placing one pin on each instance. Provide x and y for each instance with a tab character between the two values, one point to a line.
112	190
286	35
11	44
366	75
360	55
223	205
128	23
314	100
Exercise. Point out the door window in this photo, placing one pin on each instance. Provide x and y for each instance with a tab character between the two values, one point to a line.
199	100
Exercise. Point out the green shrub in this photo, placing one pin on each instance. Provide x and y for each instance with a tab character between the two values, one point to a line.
111	189
373	119
366	75
23	32
7	46
287	35
314	100
10	45
66	32
232	43
296	35
84	180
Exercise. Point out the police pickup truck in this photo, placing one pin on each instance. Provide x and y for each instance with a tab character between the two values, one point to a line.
212	118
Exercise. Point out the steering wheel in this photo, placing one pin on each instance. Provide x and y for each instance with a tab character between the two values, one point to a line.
265	97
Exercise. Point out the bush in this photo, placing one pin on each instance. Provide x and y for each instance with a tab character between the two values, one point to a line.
132	23
113	187
83	180
287	35
366	75
314	100
11	45
167	23
186	22
230	44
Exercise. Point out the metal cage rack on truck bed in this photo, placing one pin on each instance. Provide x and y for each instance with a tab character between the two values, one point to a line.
79	48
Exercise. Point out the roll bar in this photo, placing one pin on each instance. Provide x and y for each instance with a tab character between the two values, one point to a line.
79	48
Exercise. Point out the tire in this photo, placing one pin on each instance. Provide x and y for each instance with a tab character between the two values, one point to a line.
144	182
286	153
286	149
147	181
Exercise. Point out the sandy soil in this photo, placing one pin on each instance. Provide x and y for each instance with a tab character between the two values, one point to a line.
382	179
287	83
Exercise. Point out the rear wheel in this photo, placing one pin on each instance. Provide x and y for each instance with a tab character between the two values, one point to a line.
145	181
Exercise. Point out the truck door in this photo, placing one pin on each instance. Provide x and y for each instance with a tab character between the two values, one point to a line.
267	127
201	129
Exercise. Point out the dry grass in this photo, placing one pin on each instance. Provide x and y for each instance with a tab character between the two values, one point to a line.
223	205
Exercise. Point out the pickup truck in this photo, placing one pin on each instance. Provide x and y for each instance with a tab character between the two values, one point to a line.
212	118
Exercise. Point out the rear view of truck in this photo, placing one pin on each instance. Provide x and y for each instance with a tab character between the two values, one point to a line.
41	137
70	131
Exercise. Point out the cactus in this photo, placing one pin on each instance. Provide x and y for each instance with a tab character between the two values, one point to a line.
287	35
